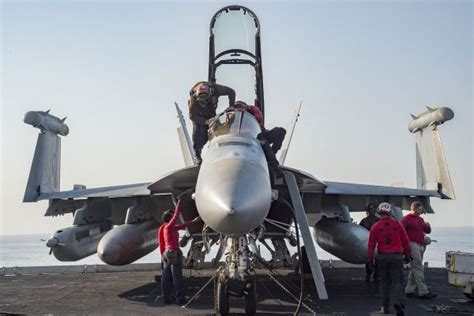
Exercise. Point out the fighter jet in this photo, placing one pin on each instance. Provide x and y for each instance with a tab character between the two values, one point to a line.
242	203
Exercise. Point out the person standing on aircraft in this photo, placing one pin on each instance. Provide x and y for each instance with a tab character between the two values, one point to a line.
172	257
391	241
367	222
416	229
203	98
271	140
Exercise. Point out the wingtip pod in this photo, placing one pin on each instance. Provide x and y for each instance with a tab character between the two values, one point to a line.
430	118
432	172
46	122
45	169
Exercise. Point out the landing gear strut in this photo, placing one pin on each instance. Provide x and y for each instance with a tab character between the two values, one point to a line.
222	301
235	279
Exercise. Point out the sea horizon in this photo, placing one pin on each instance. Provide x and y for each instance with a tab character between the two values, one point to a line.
46	233
21	250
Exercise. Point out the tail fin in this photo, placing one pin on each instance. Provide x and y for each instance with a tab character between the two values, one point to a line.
289	135
185	140
45	168
432	172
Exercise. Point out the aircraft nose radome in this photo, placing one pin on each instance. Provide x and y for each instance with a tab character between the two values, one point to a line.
233	196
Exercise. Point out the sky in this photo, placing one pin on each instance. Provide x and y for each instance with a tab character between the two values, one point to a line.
115	68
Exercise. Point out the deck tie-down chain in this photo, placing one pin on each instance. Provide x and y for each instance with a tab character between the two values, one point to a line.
289	292
270	274
185	306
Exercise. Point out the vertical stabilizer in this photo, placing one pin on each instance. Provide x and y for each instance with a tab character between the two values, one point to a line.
185	140
45	168
432	172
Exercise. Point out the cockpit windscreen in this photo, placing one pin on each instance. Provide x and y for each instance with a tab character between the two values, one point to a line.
235	123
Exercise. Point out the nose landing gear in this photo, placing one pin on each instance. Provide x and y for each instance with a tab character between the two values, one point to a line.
235	279
236	288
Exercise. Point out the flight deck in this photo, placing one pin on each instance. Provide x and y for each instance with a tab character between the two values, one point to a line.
87	290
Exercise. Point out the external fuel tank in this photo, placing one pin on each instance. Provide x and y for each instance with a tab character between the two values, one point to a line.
128	242
347	241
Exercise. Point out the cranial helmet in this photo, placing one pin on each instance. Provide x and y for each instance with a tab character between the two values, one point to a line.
384	208
240	105
202	92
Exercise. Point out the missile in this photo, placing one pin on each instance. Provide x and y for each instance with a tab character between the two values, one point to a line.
46	122
129	242
347	241
77	242
432	117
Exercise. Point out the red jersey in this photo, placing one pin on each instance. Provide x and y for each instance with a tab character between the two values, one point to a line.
255	111
415	227
389	236
168	233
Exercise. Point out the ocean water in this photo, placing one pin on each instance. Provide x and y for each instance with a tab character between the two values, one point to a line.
31	250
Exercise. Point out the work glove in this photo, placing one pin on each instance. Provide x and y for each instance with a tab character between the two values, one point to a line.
408	259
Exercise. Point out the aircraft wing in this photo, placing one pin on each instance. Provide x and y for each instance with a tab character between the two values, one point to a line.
148	195
173	182
365	189
327	196
176	182
117	191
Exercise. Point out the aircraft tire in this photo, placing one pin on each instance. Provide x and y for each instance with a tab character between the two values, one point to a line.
251	298
469	295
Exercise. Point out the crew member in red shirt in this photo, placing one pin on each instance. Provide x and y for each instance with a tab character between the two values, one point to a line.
391	241
416	229
172	257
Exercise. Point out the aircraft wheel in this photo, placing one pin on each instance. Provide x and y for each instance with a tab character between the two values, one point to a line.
222	299
251	297
469	295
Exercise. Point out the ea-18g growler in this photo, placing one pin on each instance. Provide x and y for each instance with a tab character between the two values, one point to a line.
243	205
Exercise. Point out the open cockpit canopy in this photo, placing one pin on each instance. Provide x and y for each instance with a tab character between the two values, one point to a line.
236	122
234	53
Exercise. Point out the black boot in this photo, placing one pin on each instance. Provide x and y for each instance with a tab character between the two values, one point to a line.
399	309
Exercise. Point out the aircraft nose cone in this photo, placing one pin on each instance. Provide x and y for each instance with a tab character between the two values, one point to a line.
109	252
233	196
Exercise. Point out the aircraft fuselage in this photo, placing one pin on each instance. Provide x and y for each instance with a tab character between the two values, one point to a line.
233	191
